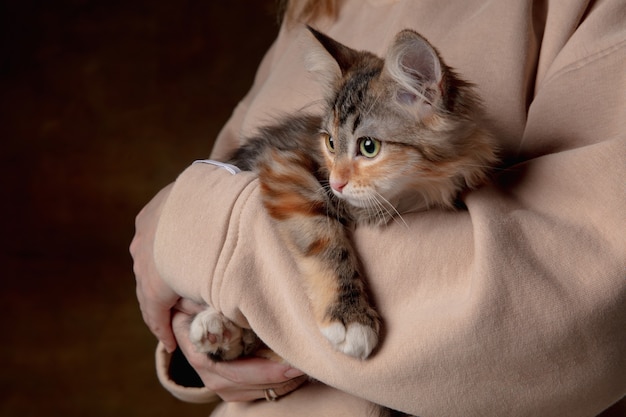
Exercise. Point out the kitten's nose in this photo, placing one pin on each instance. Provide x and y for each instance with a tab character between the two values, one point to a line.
338	185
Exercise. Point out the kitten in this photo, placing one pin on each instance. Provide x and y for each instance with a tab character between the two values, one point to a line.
398	135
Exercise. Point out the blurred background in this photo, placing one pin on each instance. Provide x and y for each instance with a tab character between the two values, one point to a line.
102	103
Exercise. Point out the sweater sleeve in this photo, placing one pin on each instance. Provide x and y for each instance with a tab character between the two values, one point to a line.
514	307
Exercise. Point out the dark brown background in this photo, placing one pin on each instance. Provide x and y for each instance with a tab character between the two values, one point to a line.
102	104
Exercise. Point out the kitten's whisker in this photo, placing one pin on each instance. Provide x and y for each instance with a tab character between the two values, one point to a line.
402	220
379	210
325	189
337	202
397	213
383	212
375	206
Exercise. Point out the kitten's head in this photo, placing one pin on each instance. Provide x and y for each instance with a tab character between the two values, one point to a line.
401	133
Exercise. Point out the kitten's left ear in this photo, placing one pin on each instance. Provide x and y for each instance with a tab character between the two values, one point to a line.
329	59
415	66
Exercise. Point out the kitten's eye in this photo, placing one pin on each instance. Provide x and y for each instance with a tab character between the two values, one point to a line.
330	143
369	147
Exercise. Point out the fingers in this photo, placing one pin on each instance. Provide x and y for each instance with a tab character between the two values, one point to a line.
155	302
290	385
158	321
239	380
228	391
155	297
256	371
253	389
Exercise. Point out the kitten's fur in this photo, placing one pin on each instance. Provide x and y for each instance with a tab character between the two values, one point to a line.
398	135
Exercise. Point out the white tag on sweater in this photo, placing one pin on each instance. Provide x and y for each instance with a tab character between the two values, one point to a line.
228	167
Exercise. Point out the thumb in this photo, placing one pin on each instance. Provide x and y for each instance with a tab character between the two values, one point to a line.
189	307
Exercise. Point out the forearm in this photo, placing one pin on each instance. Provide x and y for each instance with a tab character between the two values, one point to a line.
195	230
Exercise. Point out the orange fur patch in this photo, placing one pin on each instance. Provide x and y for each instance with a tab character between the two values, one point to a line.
322	283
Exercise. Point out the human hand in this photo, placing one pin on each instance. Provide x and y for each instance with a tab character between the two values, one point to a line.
238	380
156	298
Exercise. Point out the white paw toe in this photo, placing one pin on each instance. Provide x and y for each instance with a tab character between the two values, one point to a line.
357	340
212	333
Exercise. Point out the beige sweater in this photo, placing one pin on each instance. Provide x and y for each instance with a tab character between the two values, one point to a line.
515	307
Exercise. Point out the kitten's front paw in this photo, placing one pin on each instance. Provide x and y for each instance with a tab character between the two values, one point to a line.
353	339
213	334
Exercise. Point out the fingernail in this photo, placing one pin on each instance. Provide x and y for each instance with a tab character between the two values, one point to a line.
293	372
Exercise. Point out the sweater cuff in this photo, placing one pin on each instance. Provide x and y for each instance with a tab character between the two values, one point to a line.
195	234
175	374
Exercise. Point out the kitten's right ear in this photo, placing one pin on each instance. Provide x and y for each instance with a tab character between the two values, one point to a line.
413	63
329	59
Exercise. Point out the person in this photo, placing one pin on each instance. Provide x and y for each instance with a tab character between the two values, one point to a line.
515	306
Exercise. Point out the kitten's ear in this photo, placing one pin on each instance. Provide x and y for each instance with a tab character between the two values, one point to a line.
329	58
415	66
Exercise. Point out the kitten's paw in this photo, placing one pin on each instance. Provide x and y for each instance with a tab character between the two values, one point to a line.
213	334
354	339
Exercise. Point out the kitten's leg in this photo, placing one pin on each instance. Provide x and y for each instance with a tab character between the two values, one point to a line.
338	292
221	339
296	200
